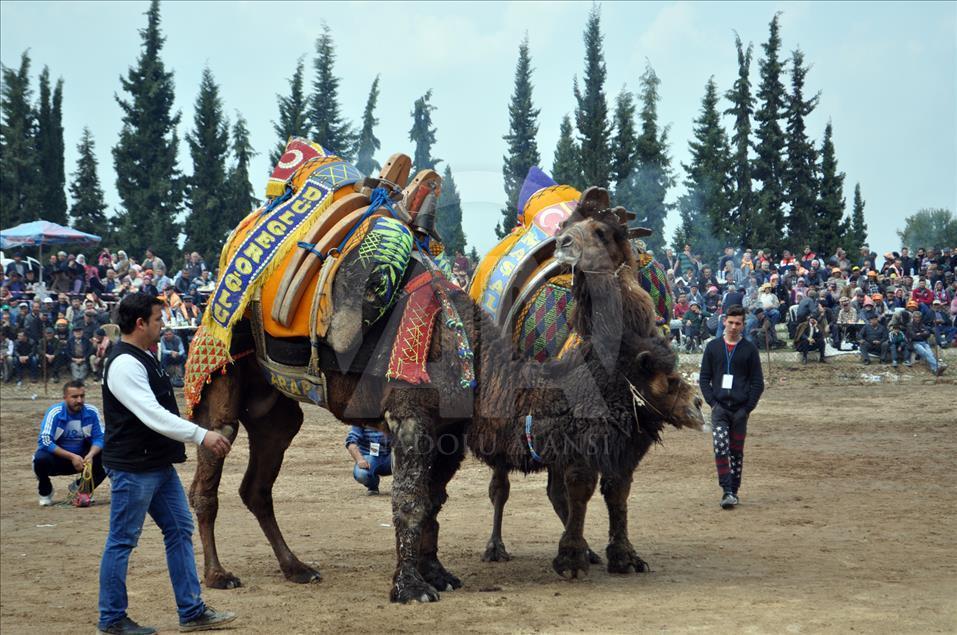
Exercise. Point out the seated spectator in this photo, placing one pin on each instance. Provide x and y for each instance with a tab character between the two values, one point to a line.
922	295
810	335
90	323
898	335
677	313
6	357
15	286
80	348
101	350
25	357
695	326
761	330
196	265
847	323
172	356
768	301
162	281
71	436
55	357
191	313
147	286
874	340
183	282
371	450
919	335
943	325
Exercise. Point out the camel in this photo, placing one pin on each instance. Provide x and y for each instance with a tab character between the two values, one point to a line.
630	353
427	421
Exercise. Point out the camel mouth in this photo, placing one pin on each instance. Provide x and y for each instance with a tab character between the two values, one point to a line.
567	254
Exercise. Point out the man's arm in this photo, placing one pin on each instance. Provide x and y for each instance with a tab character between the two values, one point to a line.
756	379
705	376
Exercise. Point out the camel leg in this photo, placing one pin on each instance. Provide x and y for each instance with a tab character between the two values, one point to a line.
412	456
269	436
572	549
621	554
219	411
558	496
498	490
450	450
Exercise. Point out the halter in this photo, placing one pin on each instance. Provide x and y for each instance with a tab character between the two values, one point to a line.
639	400
615	273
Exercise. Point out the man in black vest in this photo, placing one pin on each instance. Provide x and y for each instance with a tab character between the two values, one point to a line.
731	382
144	438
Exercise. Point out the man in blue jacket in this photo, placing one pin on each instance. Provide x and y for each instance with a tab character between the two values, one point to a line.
731	381
372	452
71	436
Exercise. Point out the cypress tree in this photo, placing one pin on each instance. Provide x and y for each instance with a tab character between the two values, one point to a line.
829	205
857	232
18	156
368	143
148	180
591	115
623	158
329	129
566	164
800	172
293	114
206	229
448	221
242	197
522	147
704	208
88	209
741	229
769	166
423	134
649	183
51	195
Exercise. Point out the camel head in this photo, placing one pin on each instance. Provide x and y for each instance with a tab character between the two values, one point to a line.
666	393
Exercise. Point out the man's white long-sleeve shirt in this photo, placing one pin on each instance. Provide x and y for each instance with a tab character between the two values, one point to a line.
128	381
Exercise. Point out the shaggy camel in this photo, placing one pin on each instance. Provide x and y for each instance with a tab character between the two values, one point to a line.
616	355
428	421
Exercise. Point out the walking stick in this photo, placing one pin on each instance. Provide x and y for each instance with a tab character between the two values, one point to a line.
45	378
767	348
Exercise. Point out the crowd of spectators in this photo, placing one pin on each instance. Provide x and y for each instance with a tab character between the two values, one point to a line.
52	315
907	306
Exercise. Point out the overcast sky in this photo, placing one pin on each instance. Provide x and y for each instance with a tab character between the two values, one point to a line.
887	73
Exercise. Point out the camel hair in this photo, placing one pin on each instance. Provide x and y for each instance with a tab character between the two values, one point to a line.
427	422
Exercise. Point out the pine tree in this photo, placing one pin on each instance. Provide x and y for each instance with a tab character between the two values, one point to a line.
645	190
148	180
423	134
19	175
591	115
448	221
857	228
88	209
800	179
829	204
329	128
522	147
206	226
368	143
769	165
741	230
623	158
706	205
51	195
242	197
566	164
293	114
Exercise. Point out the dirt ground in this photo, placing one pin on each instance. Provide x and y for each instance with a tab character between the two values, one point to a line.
847	523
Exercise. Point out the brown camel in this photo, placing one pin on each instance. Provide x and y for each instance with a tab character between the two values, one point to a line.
618	355
427	421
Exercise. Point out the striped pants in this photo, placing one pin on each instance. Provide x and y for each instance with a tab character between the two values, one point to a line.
728	430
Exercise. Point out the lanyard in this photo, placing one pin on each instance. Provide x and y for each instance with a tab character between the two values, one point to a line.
729	356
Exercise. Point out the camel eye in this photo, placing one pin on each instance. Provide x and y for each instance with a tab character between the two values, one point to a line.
601	235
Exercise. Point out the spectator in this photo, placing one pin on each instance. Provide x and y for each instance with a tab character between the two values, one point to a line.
74	314
163	281
371	451
898	335
707	278
55	357
90	323
80	348
761	330
874	341
71	436
919	334
922	295
25	357
122	264
184	281
18	265
102	345
810	335
196	265
152	261
172	356
6	357
695	326
33	324
847	324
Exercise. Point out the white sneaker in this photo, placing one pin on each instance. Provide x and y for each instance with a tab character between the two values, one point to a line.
46	501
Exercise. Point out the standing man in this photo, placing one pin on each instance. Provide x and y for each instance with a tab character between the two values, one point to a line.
144	437
731	382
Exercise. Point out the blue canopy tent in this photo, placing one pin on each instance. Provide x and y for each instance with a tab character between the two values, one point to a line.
40	233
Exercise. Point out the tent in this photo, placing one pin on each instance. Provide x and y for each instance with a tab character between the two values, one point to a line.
40	233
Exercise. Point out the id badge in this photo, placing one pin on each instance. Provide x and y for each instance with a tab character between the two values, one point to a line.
374	449
726	382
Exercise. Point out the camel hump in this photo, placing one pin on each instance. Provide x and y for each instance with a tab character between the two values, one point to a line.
593	200
397	169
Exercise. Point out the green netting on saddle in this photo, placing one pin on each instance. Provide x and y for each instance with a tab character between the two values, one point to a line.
543	324
385	252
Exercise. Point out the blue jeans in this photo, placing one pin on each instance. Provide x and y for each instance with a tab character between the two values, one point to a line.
924	351
378	466
134	494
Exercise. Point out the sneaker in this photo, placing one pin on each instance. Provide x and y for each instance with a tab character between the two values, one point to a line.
894	364
209	620
46	501
126	626
908	364
729	501
373	492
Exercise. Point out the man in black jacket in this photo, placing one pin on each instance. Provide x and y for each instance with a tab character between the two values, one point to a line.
874	340
144	438
731	382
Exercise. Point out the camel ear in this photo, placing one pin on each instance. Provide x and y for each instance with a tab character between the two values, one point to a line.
624	216
593	200
644	359
639	232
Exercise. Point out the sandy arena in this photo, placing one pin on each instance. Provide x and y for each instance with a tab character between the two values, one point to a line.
847	523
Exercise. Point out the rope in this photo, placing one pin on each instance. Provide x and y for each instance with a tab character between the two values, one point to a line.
378	199
528	439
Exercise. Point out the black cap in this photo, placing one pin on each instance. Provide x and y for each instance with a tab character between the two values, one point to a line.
101	332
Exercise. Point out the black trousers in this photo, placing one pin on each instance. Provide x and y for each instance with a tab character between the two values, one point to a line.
728	430
47	464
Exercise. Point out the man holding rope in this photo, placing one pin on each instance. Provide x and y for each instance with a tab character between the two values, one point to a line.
144	437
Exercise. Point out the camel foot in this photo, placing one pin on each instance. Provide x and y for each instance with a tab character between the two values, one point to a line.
409	586
222	580
302	574
623	559
571	561
439	577
593	558
495	552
